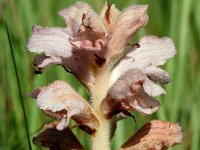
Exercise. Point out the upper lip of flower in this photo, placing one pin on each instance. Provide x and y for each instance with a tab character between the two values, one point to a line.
59	101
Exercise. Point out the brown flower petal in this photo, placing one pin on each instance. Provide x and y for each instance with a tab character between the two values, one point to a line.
157	74
73	16
58	100
109	14
79	64
115	119
127	94
155	135
87	27
91	29
91	38
128	23
42	61
54	139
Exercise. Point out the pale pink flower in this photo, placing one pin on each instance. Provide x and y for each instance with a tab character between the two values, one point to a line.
90	45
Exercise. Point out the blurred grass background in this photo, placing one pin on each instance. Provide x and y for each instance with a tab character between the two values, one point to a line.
178	19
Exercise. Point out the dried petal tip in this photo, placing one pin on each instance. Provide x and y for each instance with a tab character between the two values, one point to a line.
109	14
59	101
54	139
34	93
129	21
73	15
158	135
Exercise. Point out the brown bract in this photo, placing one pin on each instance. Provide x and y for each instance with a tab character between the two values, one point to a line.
128	22
59	101
155	135
57	140
109	14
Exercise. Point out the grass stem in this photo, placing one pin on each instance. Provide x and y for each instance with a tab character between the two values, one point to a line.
19	88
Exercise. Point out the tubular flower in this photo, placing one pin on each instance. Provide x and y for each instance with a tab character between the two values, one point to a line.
89	47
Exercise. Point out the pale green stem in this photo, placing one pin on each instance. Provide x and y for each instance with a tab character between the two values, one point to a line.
101	139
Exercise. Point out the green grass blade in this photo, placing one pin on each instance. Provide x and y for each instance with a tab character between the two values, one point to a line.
19	87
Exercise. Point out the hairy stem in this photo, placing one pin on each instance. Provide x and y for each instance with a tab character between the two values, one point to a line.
101	140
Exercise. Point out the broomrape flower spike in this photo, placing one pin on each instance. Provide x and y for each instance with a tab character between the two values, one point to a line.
88	47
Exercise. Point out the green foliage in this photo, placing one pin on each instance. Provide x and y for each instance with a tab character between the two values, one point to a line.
173	18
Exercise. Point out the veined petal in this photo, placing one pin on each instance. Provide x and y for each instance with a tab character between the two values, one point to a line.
74	14
157	135
58	100
153	51
131	78
142	103
128	23
127	94
109	14
152	89
92	21
157	74
51	41
54	139
42	61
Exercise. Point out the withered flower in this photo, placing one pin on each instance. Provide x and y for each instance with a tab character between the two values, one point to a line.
155	135
89	47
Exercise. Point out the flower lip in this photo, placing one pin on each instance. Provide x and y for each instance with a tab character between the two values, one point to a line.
153	52
128	94
59	101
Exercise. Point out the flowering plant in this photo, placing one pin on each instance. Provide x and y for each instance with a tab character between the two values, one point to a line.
92	47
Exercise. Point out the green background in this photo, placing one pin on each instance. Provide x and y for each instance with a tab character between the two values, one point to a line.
177	19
